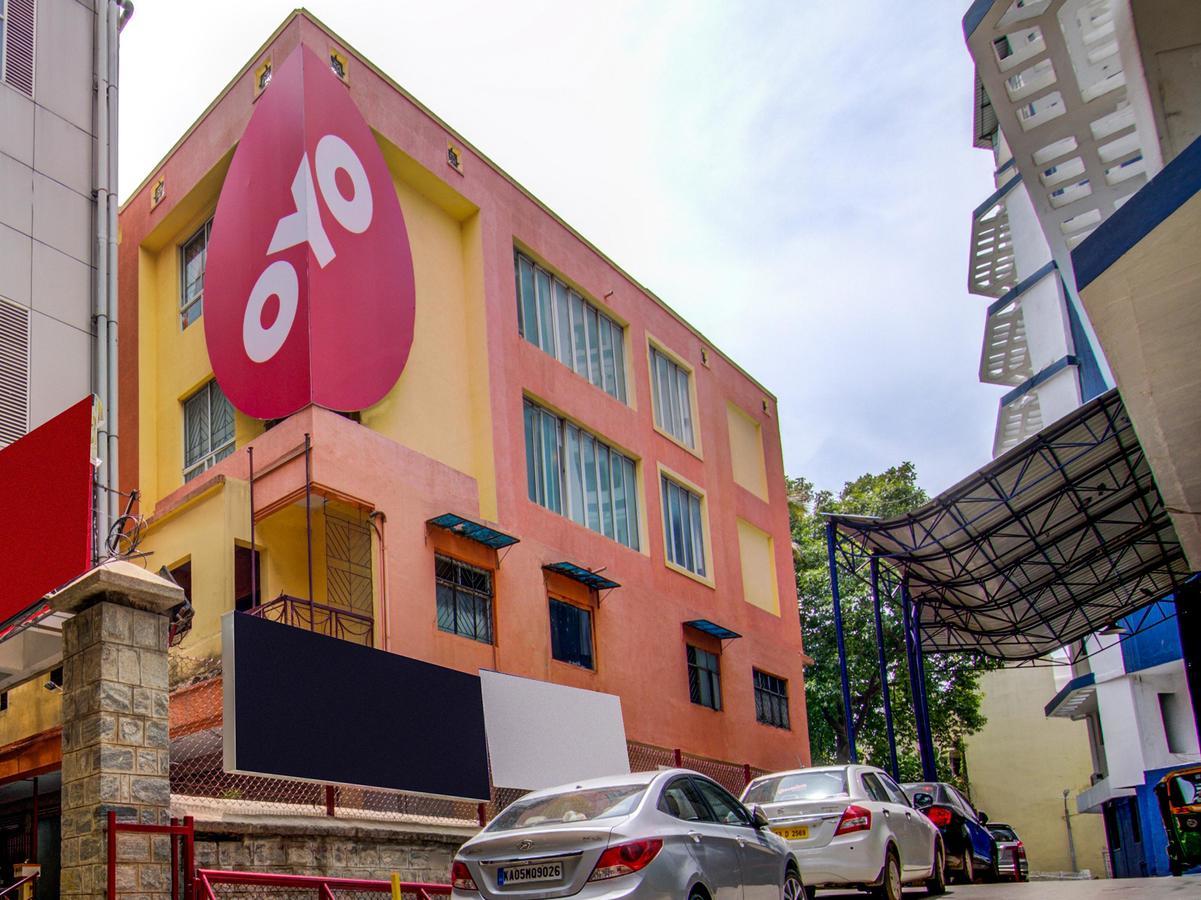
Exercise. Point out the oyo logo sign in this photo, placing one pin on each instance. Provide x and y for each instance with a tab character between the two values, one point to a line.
308	294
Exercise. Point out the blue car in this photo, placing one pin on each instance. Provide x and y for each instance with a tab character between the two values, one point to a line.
971	848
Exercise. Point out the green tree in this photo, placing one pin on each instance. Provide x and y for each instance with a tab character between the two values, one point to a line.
953	692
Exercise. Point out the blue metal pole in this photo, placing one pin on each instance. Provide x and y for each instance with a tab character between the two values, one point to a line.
925	742
848	719
892	739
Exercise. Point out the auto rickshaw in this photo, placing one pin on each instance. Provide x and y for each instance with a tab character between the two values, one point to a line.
1179	796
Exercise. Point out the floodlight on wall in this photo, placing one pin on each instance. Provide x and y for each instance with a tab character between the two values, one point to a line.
54	681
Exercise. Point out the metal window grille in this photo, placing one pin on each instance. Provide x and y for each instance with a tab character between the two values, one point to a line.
208	424
571	634
685	535
576	474
704	678
557	320
464	599
192	258
18	25
671	398
771	700
14	372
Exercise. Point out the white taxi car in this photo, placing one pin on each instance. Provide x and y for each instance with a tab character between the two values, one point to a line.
851	826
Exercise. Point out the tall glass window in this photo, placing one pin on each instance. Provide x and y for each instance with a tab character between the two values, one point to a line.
192	257
208	428
683	528
574	473
464	599
671	397
555	318
704	678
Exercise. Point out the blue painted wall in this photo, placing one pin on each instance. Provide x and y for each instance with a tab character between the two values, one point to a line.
1155	645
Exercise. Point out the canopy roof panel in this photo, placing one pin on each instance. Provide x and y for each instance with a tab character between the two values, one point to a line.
1060	536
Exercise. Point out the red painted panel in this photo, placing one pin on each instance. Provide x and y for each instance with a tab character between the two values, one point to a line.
46	509
309	292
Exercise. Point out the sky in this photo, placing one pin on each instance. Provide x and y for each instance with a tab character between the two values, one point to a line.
795	178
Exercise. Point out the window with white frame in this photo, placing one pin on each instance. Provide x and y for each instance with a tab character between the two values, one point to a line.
671	398
683	527
555	318
576	474
208	430
192	257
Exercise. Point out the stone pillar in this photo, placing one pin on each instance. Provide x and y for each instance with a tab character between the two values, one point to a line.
115	742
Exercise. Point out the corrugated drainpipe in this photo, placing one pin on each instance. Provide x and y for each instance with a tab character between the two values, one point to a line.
100	299
115	25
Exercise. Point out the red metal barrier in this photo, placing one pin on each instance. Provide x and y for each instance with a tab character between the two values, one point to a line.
325	887
182	864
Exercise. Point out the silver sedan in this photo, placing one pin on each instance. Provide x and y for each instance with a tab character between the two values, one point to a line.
667	834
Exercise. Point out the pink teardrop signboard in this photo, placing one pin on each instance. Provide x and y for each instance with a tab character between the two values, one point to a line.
309	294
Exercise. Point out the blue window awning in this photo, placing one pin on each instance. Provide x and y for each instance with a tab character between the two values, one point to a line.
473	531
713	629
584	576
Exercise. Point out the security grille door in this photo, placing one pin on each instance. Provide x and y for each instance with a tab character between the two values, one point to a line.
348	560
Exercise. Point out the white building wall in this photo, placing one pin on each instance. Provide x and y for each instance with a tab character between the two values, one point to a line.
47	213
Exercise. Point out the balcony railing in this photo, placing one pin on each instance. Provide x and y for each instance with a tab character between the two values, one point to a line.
333	621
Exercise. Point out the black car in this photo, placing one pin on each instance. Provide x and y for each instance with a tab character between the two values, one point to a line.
971	848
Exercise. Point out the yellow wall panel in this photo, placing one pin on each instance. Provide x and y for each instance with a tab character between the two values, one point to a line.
746	451
757	551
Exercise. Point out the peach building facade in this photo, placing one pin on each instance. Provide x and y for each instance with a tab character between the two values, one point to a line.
548	397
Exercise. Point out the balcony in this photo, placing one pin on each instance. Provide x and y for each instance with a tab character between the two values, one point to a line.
991	271
1079	134
333	621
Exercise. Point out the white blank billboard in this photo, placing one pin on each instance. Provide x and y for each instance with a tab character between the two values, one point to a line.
542	734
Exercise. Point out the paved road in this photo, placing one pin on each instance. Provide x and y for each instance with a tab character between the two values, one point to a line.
1117	889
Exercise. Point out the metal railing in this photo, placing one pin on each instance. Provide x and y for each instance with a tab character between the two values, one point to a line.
317	886
14	889
334	621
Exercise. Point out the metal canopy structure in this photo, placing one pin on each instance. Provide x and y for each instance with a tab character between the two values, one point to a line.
1061	536
704	626
473	531
586	577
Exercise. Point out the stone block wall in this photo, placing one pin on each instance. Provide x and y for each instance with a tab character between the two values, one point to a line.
115	747
333	849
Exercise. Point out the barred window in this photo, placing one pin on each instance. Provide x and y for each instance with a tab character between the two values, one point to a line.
571	634
464	599
771	700
684	531
208	428
671	398
704	678
192	257
555	318
576	474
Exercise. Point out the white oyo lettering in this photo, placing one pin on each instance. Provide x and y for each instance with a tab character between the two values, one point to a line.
333	154
278	280
304	226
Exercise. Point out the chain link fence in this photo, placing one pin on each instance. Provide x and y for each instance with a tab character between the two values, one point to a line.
202	788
